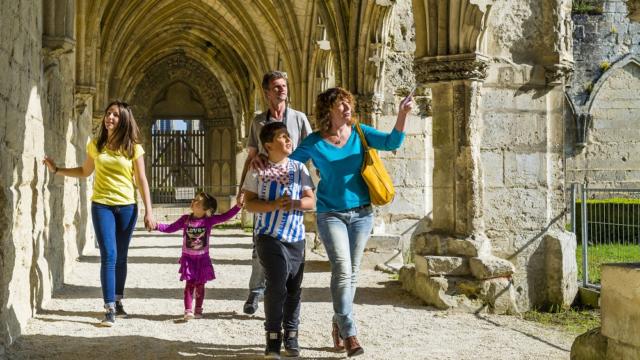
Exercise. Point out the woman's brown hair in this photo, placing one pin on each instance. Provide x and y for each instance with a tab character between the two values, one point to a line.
126	135
326	100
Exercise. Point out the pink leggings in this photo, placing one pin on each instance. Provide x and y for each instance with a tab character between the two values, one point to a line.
188	295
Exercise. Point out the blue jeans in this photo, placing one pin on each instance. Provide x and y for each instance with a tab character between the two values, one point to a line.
345	235
113	226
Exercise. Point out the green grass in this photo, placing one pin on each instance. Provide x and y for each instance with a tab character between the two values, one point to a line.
603	254
575	321
611	201
230	225
593	7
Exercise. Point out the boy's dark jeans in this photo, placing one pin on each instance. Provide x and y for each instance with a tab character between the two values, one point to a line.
283	268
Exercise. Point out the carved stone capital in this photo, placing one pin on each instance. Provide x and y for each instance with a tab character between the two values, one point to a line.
449	68
83	97
385	3
424	106
368	104
57	46
557	74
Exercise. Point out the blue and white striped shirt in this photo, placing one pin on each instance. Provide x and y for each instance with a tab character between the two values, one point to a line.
271	183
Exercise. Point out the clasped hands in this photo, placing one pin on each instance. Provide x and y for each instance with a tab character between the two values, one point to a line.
285	202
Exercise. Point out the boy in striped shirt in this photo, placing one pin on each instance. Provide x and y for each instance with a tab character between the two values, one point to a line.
278	195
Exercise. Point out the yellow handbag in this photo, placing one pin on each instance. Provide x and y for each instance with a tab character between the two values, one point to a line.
381	189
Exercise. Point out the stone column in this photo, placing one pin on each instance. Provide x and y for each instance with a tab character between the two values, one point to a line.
457	127
454	267
617	338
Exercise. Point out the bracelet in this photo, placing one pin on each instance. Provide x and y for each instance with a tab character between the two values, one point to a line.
55	171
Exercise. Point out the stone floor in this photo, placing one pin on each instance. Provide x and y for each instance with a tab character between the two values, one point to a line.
392	324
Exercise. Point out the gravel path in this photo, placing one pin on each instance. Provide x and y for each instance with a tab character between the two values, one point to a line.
392	324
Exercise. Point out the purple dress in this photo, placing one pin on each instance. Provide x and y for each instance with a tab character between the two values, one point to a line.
195	262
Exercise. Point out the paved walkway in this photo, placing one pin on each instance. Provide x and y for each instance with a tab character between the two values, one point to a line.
392	324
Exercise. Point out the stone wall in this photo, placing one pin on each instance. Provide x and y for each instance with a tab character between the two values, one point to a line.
497	241
522	109
44	222
605	85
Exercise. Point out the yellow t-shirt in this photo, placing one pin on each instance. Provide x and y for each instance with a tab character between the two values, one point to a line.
113	183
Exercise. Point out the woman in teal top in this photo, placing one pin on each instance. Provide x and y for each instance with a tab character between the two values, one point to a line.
345	217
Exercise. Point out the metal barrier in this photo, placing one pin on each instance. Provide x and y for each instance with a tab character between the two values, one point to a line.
184	195
607	225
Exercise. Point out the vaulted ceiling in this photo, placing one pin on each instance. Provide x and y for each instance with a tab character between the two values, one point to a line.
119	41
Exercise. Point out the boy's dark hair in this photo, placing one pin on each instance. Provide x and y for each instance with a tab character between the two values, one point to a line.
269	131
209	203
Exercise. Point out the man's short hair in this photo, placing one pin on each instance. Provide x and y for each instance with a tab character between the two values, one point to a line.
269	131
273	75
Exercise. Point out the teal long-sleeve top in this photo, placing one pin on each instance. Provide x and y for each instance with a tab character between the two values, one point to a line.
341	186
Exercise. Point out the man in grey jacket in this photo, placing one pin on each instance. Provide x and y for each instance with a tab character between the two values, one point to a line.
275	87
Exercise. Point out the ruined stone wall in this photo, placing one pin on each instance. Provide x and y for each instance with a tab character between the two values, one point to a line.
605	85
411	166
497	241
522	110
43	222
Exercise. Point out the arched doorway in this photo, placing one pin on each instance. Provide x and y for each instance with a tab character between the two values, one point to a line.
187	123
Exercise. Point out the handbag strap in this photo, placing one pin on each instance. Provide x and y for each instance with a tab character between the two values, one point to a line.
362	138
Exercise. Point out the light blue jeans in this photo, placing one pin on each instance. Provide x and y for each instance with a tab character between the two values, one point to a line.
345	235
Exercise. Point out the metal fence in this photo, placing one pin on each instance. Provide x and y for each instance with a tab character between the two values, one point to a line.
607	225
184	195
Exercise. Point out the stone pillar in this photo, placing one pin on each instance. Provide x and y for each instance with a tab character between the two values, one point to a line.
617	338
59	24
454	267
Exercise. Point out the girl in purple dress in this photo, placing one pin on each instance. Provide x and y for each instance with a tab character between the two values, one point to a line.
195	262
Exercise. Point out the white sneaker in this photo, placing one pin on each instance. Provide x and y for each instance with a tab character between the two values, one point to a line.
188	315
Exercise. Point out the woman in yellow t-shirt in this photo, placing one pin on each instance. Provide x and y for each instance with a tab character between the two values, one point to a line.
116	157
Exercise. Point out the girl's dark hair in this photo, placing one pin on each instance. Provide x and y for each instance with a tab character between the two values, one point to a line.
325	102
126	135
209	203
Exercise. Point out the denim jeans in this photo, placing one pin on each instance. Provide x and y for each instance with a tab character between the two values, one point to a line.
113	226
256	281
345	235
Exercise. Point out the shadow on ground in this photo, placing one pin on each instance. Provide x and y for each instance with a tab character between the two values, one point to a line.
138	347
390	294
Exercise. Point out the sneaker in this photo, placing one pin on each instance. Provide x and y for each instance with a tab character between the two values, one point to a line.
251	305
274	341
188	315
291	347
120	313
198	314
109	318
353	346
